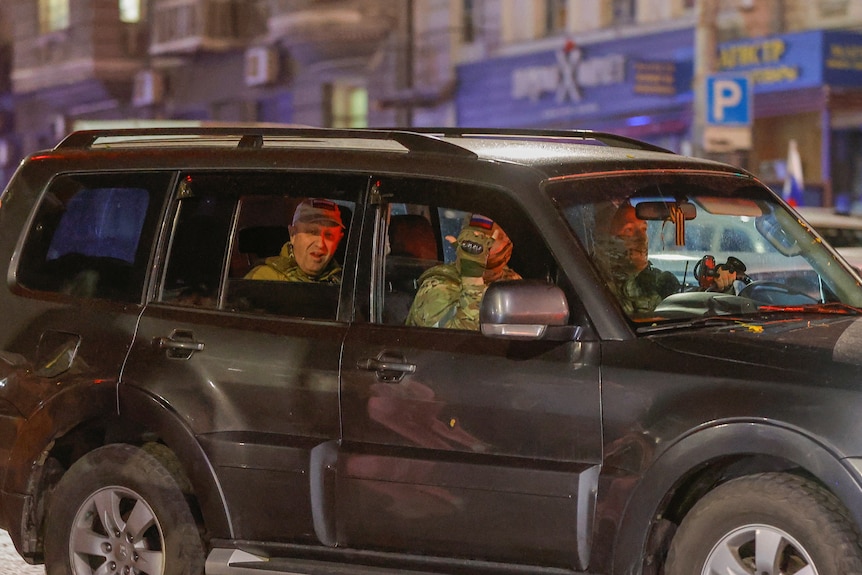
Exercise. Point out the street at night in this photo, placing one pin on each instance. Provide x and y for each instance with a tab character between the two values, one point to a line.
11	563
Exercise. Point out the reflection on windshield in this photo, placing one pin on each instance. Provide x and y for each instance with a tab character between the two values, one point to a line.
692	246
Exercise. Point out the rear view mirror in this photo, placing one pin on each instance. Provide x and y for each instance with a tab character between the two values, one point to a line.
662	211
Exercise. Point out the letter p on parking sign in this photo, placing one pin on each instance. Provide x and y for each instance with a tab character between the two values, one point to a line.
728	100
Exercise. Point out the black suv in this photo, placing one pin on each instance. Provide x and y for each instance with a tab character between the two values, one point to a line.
162	413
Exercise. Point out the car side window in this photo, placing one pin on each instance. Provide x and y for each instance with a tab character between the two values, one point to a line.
198	248
259	244
92	235
423	279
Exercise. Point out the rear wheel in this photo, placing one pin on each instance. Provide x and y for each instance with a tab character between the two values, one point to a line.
119	511
768	524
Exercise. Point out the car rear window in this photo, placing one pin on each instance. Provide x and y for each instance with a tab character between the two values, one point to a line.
92	235
102	222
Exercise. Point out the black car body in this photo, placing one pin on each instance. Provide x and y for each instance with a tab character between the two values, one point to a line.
299	427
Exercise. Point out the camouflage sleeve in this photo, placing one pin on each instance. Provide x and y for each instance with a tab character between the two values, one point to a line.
443	300
467	313
639	294
435	299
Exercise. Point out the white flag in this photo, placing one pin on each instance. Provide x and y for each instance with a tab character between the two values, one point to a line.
793	182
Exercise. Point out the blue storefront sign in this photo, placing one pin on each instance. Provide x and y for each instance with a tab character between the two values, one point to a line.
642	76
796	61
576	82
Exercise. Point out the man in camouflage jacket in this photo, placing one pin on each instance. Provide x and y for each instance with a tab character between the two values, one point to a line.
308	257
622	255
449	295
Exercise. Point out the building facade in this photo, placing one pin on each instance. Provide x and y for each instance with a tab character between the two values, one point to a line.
628	66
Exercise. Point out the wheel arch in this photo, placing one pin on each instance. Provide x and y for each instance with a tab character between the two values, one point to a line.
156	420
31	468
707	457
82	418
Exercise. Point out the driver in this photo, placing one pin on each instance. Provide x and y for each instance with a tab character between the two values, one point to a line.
623	257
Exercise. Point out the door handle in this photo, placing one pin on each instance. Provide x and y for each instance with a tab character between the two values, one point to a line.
180	344
167	343
390	368
378	365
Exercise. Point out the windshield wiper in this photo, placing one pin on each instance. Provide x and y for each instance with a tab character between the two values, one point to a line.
763	313
837	308
696	322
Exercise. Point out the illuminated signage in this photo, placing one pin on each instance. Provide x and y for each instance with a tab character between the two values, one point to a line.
763	60
844	56
568	75
655	78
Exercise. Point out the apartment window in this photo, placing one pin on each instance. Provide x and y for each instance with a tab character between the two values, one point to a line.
468	21
833	8
53	15
130	11
624	11
348	106
555	16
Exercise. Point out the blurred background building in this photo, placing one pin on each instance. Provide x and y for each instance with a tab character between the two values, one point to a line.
635	67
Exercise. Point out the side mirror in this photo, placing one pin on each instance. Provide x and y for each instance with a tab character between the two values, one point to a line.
522	309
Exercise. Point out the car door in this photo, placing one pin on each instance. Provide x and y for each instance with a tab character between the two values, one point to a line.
456	444
249	366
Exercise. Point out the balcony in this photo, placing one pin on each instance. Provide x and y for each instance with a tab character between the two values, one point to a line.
187	26
76	56
331	30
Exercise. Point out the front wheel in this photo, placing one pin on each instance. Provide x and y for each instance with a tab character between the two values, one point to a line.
767	524
119	511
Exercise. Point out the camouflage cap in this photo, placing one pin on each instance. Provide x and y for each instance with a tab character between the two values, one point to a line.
317	211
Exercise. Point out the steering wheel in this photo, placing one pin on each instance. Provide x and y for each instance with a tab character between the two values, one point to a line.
774	293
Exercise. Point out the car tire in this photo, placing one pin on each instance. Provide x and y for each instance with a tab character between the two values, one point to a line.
792	523
118	510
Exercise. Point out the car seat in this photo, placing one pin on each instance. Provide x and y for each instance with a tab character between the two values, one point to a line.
413	249
256	244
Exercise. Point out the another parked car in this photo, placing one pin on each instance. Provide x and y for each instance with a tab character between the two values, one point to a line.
162	413
842	231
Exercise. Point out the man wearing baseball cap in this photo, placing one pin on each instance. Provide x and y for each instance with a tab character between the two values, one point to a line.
315	234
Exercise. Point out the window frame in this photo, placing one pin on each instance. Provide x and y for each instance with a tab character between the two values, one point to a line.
131	11
238	188
36	273
534	259
556	17
346	105
54	16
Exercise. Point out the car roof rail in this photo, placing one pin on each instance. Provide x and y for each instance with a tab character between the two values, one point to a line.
425	140
563	136
253	137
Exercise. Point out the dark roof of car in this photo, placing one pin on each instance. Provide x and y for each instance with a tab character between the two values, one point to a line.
552	153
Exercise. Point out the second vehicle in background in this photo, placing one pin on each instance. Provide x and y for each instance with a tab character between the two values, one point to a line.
842	231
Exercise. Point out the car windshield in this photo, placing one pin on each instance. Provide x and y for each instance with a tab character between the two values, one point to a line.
683	246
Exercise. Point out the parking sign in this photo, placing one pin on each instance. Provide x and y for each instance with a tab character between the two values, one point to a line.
728	100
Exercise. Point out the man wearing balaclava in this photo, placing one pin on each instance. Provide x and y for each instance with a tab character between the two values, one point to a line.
449	295
621	253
